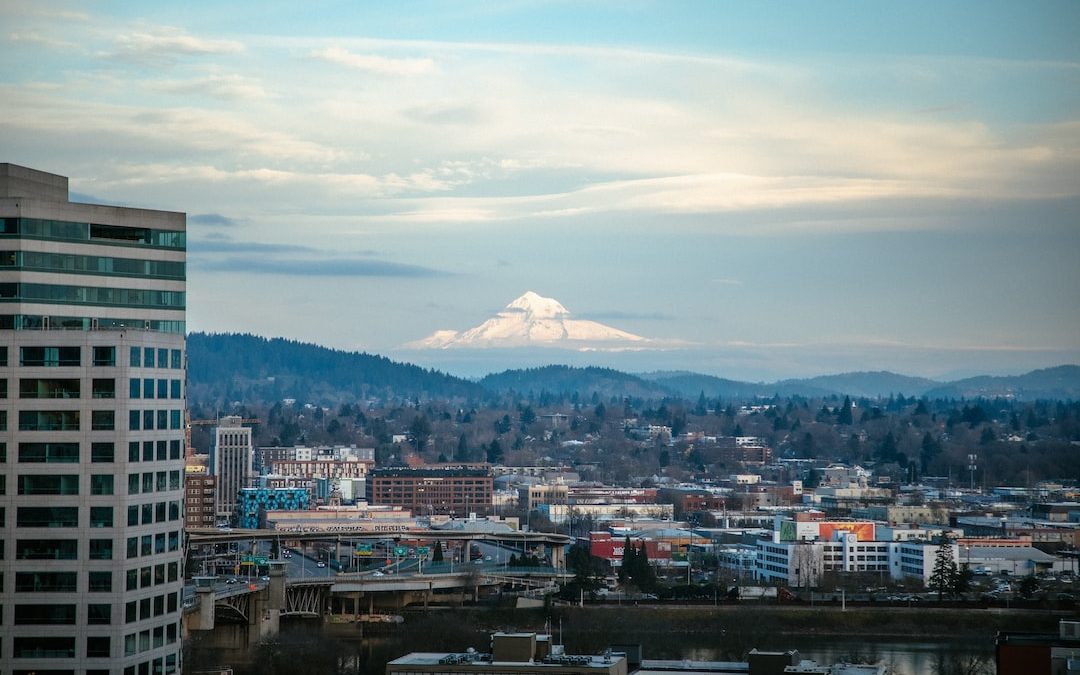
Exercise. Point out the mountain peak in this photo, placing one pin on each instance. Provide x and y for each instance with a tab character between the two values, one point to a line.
537	306
533	321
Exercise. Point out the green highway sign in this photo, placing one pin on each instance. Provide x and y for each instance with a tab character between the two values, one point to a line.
260	560
421	550
401	551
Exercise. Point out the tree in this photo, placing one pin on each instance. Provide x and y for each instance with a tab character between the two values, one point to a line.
420	429
963	580
845	412
461	454
628	559
1028	586
943	577
437	554
494	452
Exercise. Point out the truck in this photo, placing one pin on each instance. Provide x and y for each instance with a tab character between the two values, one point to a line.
753	592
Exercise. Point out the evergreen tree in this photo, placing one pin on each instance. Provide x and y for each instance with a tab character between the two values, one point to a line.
943	577
494	452
461	454
628	558
437	555
845	412
702	407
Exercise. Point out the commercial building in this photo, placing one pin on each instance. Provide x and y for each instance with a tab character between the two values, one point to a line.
200	488
252	504
231	463
92	367
511	654
456	490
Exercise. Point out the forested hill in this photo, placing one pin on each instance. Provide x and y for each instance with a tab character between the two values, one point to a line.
604	382
249	368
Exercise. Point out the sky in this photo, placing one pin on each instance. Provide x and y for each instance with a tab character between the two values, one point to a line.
778	189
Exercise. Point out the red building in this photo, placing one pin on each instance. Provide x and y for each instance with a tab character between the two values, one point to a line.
611	547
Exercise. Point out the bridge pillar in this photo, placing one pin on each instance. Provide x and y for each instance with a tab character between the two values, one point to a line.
264	615
558	556
204	618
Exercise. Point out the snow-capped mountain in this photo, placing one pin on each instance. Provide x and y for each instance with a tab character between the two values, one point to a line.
534	321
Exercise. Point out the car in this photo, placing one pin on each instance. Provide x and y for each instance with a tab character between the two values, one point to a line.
231	580
377	573
487	558
264	578
320	564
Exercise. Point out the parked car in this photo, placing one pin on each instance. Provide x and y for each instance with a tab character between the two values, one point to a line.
320	564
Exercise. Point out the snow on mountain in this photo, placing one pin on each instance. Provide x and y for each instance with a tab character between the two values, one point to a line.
533	321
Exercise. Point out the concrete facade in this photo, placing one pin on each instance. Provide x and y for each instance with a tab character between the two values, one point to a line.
92	306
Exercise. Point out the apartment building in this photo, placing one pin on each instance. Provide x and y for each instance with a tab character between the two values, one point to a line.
92	366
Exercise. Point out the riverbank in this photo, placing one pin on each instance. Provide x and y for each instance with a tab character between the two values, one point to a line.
665	632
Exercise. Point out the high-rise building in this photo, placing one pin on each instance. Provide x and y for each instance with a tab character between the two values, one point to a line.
92	387
231	463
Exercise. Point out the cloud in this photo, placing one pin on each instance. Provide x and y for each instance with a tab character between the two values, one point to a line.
224	87
375	64
215	219
615	315
319	267
33	37
217	245
162	45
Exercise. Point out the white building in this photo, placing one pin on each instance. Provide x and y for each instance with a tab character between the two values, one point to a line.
231	462
93	367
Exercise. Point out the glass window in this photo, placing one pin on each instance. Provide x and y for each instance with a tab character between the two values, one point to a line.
175	361
148	451
131	612
162	450
132	547
133	420
52	484
101	484
44	615
163	419
133	451
174	419
97	647
163	358
46	549
99	614
50	356
102	453
134	388
49	453
132	580
46	582
48	420
133	483
102	420
100	582
34	387
136	357
148	387
174	389
47	516
148	357
147	514
104	388
132	515
174	449
101	549
36	647
162	388
148	482
148	420
104	356
101	516
146	576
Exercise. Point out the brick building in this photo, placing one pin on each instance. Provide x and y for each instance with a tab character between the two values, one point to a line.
458	489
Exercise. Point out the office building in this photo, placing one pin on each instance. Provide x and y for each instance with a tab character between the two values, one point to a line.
231	464
456	490
92	378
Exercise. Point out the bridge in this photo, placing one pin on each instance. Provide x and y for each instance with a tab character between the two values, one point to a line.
251	611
